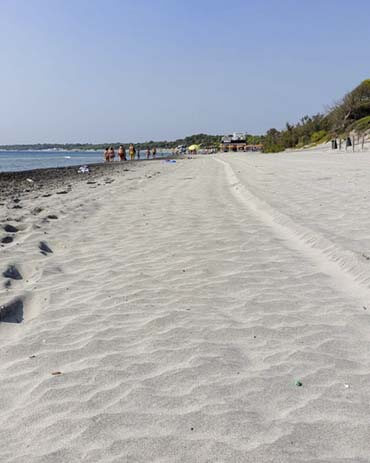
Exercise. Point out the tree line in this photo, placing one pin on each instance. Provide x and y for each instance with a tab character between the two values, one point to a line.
350	114
202	139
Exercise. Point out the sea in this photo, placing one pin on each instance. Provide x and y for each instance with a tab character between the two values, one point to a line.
13	161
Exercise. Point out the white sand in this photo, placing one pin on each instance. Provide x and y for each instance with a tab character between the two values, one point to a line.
181	307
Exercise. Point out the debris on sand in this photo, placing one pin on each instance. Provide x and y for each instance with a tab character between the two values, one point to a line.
84	170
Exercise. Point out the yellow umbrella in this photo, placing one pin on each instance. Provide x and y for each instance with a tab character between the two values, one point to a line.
193	148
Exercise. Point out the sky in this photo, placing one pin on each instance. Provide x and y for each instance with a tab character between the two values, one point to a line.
137	70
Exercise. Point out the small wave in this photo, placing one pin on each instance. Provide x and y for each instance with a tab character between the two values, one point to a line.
67	157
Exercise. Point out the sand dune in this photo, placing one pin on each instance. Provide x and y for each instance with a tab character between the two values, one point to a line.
177	307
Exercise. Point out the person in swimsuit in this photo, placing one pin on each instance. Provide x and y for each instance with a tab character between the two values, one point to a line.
122	153
138	152
132	152
154	152
148	153
106	155
111	154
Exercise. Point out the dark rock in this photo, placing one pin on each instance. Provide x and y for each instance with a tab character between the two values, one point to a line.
44	248
10	229
7	239
13	273
12	312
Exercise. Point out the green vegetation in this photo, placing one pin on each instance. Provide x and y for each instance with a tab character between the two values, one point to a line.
201	139
362	125
255	139
352	113
319	136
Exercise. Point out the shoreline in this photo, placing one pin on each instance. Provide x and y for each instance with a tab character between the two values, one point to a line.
16	183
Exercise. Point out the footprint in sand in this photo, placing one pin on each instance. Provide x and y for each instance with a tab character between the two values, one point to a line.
36	210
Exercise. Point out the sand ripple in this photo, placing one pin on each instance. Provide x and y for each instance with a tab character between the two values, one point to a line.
180	320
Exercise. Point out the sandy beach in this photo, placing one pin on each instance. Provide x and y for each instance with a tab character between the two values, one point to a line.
213	309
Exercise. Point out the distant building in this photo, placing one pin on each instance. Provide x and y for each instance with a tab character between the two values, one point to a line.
234	138
237	142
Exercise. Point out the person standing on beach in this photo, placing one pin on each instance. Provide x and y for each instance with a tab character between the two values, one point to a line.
138	152
111	154
148	152
154	152
122	153
106	155
132	152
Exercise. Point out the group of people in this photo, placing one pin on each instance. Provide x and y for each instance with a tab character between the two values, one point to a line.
109	154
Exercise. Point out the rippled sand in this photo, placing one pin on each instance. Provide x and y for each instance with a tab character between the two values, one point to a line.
183	304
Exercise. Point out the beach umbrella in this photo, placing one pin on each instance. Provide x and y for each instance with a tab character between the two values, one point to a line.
193	148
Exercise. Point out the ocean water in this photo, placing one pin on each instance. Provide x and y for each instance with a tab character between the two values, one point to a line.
11	161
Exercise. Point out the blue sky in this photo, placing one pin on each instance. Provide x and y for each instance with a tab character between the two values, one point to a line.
122	70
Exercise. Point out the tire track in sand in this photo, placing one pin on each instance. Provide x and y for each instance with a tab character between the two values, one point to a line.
341	265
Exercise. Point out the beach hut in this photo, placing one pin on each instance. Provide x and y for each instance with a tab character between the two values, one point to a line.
237	142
